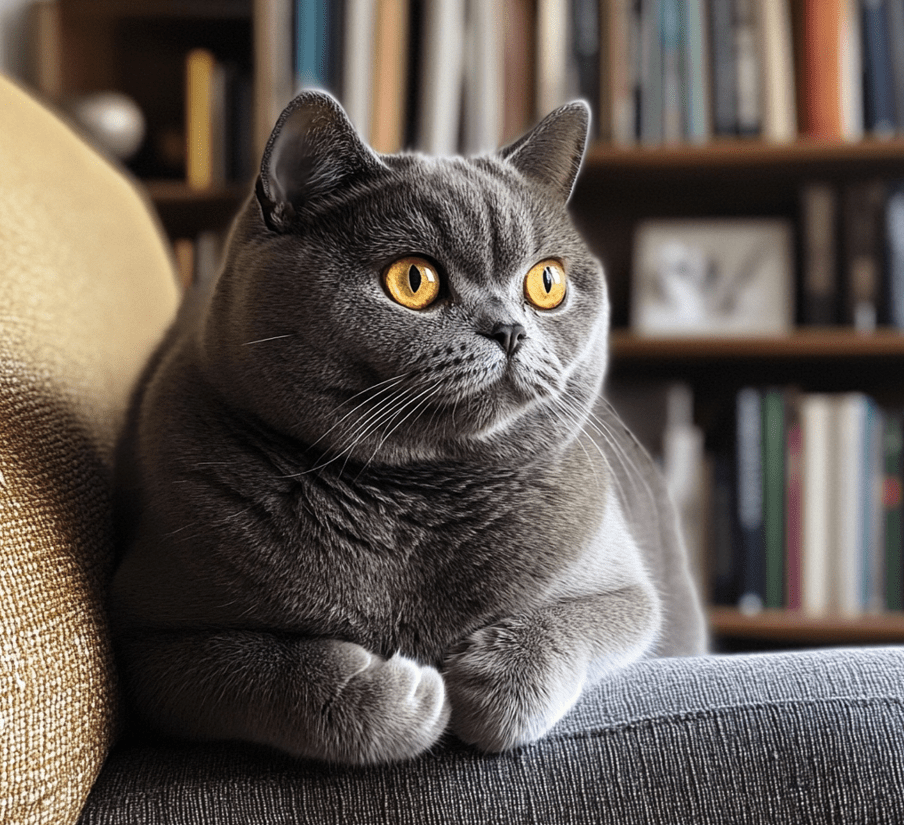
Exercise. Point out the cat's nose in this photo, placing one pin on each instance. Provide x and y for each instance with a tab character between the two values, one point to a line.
509	337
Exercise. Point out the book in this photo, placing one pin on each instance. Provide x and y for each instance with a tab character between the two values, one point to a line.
894	254
849	506
817	469
878	88
312	44
357	78
671	29
483	91
586	41
698	107
274	82
724	67
390	75
895	11
747	67
774	445
205	124
793	503
777	49
749	469
518	68
556	81
893	509
873	596
439	99
651	91
863	211
819	281
831	70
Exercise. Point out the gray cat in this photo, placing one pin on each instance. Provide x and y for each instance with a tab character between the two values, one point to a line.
368	493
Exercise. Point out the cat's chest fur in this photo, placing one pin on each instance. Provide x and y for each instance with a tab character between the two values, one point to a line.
411	559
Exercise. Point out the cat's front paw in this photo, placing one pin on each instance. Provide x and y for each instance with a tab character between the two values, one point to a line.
508	686
388	709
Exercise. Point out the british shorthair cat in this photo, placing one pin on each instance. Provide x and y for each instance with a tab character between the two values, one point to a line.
371	491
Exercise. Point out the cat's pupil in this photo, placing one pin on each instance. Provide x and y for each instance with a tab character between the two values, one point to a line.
547	279
414	278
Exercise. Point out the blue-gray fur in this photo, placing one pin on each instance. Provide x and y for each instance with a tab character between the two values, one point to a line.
352	525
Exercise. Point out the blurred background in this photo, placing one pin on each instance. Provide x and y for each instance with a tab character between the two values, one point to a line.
744	189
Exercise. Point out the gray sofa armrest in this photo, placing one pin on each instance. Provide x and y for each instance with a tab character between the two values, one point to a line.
814	737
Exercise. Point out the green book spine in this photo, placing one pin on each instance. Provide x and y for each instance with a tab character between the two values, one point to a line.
774	495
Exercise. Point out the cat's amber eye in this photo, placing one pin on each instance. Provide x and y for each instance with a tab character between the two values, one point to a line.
545	284
412	282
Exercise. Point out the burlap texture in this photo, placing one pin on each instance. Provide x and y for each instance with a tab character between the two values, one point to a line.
86	289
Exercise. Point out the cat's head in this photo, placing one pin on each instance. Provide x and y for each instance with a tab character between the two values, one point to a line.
400	307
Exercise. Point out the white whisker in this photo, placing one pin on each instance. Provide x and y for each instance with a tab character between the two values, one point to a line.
264	340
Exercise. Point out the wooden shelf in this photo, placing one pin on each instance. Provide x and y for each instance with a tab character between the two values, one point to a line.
185	211
827	343
789	626
739	154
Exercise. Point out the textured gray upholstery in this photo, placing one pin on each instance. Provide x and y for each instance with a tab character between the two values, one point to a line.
815	737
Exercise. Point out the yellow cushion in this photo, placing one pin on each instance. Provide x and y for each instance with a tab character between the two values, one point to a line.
86	289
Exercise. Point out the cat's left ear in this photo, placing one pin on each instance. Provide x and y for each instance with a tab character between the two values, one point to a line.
312	150
552	151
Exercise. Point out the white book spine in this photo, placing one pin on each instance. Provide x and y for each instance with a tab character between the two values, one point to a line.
360	18
815	415
483	78
441	78
849	510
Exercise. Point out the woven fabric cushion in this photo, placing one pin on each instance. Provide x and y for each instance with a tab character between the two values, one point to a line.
86	288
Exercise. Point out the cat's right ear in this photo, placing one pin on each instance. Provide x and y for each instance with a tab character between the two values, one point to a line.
313	149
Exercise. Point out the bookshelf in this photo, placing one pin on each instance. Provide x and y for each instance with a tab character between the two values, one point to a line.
140	46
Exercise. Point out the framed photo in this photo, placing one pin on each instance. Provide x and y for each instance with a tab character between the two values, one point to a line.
713	277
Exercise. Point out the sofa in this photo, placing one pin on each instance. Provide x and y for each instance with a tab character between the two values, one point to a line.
87	287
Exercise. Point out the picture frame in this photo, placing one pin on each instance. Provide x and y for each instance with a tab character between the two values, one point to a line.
713	277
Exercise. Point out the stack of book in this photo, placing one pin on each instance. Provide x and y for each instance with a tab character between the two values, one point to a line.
809	509
852	240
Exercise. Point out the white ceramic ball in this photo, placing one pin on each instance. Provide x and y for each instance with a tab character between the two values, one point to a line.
113	119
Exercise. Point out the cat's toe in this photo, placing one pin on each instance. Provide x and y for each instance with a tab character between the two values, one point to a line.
499	700
396	708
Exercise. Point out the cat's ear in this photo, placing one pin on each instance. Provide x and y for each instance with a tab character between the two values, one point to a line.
552	151
312	150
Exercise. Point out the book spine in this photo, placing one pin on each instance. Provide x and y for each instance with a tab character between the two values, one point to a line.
894	245
864	203
273	65
483	80
311	43
672	26
793	507
874	535
390	75
586	42
878	91
724	68
518	68
893	508
779	107
816	509
750	499
441	80
819	219
698	114
617	69
200	92
651	114
747	58
849	507
822	61
774	445
895	11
